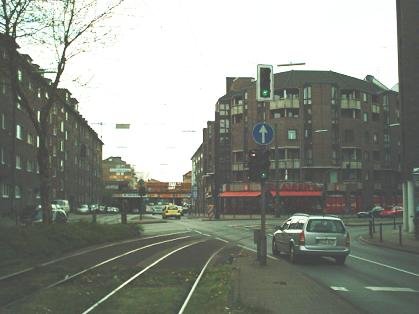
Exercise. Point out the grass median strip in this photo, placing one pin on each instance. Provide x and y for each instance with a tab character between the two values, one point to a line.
27	246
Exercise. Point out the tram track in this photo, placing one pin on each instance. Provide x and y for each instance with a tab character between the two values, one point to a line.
24	285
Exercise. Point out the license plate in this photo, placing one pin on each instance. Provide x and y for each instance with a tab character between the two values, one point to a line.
327	241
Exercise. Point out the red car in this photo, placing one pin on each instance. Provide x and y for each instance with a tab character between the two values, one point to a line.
396	211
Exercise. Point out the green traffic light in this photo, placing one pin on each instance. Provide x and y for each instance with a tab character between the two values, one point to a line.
265	92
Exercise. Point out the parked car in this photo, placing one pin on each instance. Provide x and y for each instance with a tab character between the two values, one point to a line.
58	215
83	209
158	209
171	211
373	212
312	235
112	210
395	211
64	204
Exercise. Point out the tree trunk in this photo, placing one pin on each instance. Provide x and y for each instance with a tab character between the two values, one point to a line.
44	177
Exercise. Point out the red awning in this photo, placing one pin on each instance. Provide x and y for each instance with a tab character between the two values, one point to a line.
240	194
297	193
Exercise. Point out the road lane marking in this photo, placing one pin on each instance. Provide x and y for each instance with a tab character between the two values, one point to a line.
384	265
339	288
391	289
222	240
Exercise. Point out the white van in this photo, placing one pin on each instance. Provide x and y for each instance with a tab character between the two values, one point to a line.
64	204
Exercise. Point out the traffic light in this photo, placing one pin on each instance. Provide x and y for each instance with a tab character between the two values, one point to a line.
258	164
252	164
265	82
264	165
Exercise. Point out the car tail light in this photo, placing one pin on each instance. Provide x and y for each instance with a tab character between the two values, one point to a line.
348	240
301	238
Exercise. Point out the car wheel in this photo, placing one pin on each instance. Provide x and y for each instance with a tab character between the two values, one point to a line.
293	255
275	250
340	260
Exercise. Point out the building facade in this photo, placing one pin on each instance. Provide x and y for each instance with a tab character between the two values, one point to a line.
336	147
76	150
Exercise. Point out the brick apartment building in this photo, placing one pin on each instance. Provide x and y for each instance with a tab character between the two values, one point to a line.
76	150
337	145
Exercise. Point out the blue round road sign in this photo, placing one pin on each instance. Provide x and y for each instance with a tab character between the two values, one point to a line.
263	133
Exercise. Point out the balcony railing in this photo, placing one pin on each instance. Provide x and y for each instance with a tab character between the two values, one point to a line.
352	164
239	166
285	103
286	164
350	104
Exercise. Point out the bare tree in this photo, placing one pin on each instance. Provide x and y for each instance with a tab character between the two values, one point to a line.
68	28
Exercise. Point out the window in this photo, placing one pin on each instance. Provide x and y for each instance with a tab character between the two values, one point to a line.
18	162
5	190
375	138
334	95
19	132
292	134
37	141
62	126
3	121
364	97
18	104
30	139
2	159
38	115
39	92
3	87
365	117
366	156
29	165
18	192
19	75
62	146
376	155
66	116
307	95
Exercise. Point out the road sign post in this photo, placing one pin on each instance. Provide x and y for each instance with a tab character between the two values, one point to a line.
263	135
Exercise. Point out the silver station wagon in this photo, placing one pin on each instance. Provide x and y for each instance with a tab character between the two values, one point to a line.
302	235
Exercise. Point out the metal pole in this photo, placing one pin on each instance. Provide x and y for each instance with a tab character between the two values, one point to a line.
381	232
400	235
263	225
277	203
370	229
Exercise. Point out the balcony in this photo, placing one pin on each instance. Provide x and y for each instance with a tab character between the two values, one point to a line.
239	166
236	110
285	103
350	104
286	164
352	164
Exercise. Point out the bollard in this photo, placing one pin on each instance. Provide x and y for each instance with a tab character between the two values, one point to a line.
394	222
370	228
94	218
381	232
400	235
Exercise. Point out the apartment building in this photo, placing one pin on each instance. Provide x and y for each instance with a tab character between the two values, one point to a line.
337	143
75	149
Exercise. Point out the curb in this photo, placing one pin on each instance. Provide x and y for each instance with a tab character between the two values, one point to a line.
396	248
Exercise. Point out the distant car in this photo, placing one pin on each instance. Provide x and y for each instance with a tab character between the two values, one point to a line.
158	209
373	212
83	209
171	211
395	211
112	210
58	215
64	204
312	235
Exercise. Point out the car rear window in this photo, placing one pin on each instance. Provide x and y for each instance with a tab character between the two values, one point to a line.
325	226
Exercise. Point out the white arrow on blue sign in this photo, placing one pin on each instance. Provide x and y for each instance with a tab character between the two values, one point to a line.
263	133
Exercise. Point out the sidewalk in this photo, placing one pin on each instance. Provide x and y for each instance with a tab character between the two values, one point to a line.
280	287
391	239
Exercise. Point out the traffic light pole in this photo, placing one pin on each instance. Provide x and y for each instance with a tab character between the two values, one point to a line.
262	240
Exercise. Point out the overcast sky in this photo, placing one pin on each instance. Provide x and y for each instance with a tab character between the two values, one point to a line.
166	67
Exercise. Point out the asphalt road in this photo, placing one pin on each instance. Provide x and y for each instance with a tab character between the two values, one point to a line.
376	280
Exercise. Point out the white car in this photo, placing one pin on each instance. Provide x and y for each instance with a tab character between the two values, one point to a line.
83	209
